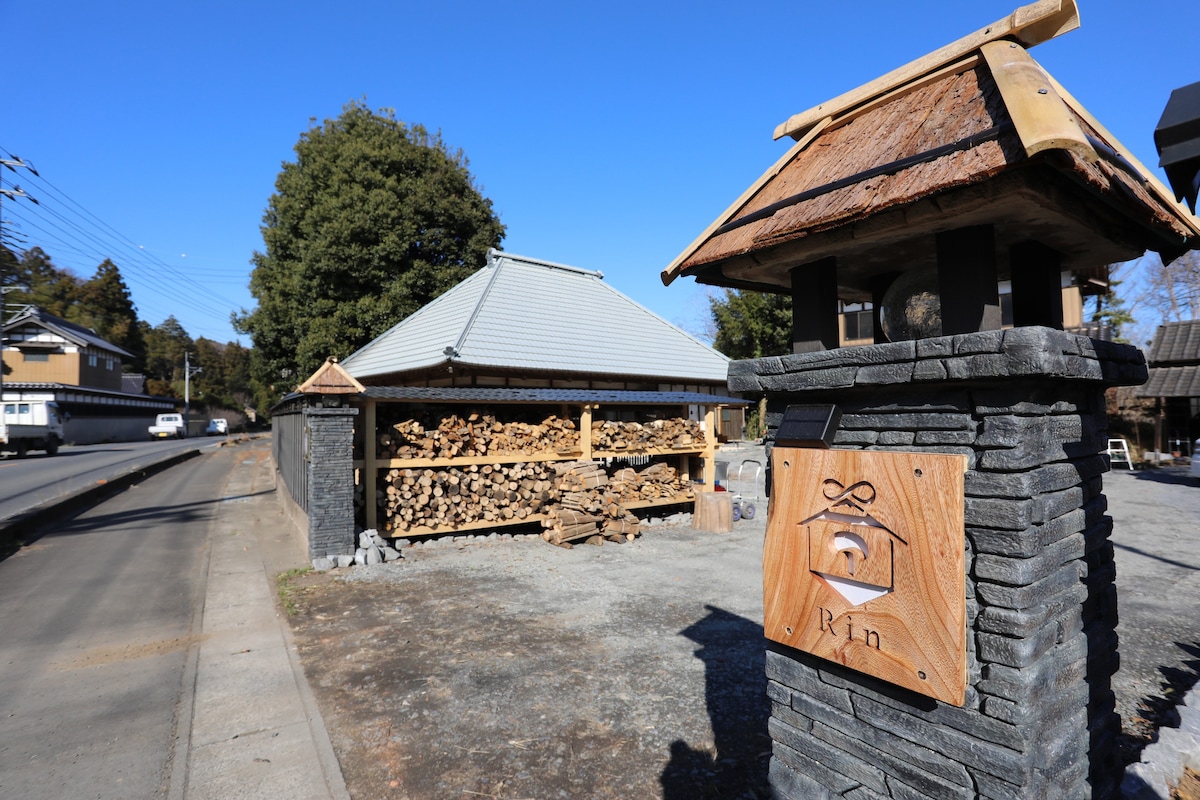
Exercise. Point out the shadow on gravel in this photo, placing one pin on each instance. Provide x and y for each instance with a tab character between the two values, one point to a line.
733	651
1162	710
1179	476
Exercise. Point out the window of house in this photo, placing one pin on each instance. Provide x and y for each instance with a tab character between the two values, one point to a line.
29	357
108	364
860	324
92	360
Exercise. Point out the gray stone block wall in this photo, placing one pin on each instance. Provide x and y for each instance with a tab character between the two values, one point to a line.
1026	406
330	481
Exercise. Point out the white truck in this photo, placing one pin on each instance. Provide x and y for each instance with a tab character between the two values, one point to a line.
168	425
30	425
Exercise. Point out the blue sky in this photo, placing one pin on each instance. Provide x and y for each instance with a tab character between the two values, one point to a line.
607	135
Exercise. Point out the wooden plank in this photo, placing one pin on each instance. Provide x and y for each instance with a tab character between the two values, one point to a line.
864	564
1150	180
1041	118
370	465
1031	25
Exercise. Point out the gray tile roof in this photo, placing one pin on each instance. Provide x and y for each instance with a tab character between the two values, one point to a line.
1172	382
1176	343
1174	361
610	397
72	332
523	313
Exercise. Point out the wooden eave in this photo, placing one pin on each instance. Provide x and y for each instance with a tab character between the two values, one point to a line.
992	138
331	378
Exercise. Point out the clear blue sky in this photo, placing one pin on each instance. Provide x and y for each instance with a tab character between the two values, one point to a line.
607	135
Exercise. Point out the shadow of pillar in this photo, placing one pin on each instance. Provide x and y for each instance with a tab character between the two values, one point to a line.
733	651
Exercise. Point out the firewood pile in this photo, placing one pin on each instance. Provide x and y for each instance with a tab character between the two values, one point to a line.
454	496
659	434
477	435
591	507
574	500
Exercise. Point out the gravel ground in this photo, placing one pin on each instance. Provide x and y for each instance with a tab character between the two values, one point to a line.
507	668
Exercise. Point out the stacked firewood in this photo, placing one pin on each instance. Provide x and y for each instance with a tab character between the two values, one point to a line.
659	434
477	435
454	496
567	496
591	506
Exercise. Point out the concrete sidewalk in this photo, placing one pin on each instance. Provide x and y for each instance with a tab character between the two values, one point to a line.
249	725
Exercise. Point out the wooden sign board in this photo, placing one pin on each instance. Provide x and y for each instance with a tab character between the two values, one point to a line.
864	564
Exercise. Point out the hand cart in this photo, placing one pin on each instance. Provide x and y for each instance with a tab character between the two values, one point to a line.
743	508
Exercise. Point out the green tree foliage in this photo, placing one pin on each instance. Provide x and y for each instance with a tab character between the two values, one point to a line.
752	324
103	304
373	220
51	288
166	345
1110	310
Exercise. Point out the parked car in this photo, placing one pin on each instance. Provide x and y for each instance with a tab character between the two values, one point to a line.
217	427
168	425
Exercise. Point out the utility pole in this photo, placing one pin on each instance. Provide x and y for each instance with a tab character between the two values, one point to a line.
12	194
188	372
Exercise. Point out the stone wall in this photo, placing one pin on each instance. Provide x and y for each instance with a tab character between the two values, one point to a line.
1027	407
330	481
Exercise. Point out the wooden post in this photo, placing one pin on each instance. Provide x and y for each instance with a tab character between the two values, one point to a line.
585	432
370	473
1036	285
814	306
710	449
966	263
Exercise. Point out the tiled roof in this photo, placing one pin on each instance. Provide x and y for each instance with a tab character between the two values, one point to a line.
523	313
1176	343
1172	382
75	333
434	394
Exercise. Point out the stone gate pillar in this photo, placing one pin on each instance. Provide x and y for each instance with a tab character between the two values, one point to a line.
330	454
1026	406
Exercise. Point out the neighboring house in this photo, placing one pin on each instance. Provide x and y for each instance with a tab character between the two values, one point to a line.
43	348
51	358
1175	382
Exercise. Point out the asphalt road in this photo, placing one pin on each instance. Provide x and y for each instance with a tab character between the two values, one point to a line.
96	619
37	479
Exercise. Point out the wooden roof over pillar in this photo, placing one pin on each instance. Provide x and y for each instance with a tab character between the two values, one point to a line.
977	133
331	378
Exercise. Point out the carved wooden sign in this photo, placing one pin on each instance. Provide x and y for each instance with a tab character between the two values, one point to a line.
864	564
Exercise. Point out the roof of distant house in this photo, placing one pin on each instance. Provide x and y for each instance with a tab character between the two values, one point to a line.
71	331
525	313
1174	361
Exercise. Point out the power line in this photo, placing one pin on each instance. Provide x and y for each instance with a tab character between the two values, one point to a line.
63	223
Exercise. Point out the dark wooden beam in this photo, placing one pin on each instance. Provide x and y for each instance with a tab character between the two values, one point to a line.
815	306
966	262
1036	285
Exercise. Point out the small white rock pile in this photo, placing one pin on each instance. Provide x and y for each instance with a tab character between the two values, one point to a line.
372	549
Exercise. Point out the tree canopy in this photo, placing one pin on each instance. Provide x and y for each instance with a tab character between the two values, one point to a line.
752	324
372	220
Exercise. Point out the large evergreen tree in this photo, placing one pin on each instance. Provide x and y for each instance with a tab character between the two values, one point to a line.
45	285
373	220
752	324
104	305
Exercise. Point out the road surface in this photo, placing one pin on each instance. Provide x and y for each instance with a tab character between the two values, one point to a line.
96	620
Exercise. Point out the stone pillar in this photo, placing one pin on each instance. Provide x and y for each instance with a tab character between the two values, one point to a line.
1026	406
330	454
